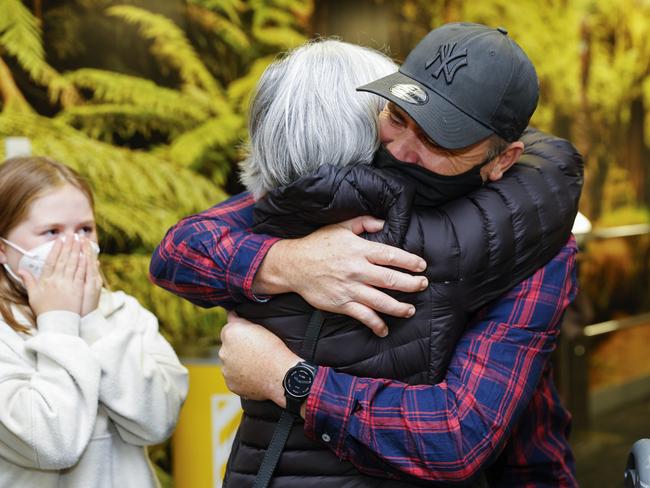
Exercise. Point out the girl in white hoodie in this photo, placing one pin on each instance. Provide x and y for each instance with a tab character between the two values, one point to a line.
86	380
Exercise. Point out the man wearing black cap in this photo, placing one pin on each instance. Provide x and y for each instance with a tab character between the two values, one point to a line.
458	106
462	84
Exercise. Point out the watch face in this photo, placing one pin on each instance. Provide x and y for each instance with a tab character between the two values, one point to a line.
298	381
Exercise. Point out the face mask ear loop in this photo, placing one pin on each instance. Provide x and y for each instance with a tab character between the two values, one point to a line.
16	247
12	274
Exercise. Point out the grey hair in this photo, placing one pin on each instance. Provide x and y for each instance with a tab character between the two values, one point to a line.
307	113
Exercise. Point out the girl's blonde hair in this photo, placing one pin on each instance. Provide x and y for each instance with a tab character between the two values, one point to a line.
23	180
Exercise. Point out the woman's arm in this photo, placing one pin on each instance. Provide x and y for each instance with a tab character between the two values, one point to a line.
143	384
47	410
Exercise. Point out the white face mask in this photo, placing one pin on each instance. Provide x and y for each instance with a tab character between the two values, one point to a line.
34	259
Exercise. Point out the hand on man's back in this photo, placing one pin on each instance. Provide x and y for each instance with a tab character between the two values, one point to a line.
337	271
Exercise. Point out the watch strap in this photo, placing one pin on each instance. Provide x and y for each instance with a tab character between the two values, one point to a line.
284	425
273	452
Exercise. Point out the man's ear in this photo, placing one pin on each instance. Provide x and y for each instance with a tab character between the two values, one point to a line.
504	161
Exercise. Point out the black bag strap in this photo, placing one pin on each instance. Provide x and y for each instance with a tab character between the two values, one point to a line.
284	425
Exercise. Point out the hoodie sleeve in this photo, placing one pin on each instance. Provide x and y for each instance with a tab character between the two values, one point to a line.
48	406
143	383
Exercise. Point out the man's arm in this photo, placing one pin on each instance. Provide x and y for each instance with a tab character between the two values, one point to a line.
213	258
446	432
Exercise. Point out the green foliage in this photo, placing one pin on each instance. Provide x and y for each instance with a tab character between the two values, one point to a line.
117	88
190	149
273	22
229	29
189	123
20	37
104	121
171	47
240	91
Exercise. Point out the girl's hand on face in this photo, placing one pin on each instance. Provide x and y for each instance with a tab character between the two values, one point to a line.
93	281
61	285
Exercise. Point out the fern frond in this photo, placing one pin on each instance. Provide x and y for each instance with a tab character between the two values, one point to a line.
64	24
102	122
274	27
20	36
10	94
118	88
240	90
171	46
269	14
190	148
301	9
230	8
229	32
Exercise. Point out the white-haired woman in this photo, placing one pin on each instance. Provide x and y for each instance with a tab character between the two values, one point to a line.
313	159
306	113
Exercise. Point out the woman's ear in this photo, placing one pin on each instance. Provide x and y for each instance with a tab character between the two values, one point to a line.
505	160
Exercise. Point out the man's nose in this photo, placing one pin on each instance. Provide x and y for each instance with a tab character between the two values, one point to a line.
403	148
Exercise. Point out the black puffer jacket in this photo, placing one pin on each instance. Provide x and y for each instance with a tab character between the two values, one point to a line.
477	247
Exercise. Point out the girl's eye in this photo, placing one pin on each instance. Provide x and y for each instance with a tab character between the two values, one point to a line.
86	230
51	232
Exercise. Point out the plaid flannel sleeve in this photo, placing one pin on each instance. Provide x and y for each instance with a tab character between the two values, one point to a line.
449	431
211	258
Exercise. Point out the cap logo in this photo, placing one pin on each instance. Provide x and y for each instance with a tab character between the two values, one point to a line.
447	62
410	93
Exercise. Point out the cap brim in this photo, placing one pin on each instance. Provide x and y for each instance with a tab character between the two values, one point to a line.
442	121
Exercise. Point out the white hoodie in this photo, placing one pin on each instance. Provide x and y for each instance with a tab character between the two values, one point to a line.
80	398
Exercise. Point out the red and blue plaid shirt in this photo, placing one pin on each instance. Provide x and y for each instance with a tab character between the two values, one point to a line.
497	411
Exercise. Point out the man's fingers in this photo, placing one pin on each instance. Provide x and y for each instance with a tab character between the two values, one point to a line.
392	279
382	303
384	255
366	316
362	224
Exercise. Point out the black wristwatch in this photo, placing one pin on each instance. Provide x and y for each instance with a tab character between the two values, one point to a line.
297	385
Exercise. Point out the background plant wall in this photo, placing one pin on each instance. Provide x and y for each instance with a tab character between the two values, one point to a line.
148	101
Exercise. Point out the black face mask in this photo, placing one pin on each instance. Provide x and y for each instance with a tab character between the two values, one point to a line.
431	189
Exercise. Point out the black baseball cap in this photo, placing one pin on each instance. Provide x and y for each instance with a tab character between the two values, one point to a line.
462	83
